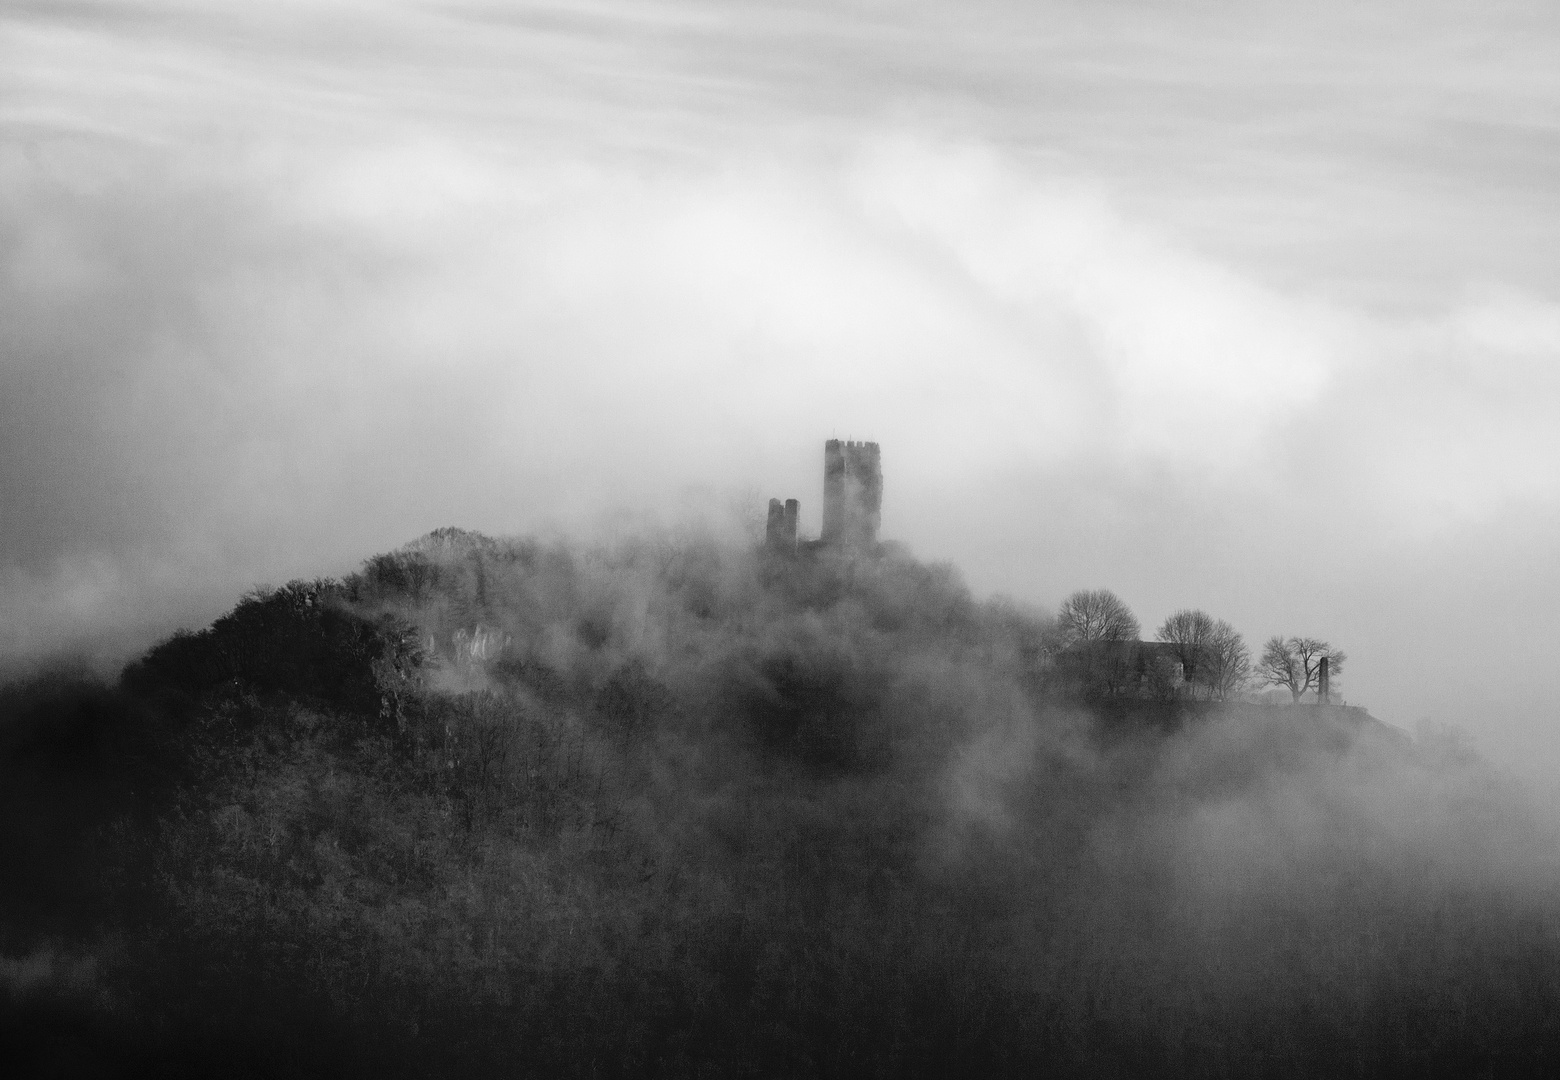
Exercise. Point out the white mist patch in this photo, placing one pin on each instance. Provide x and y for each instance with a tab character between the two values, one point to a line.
932	298
984	769
403	190
96	607
1197	361
1448	422
1263	813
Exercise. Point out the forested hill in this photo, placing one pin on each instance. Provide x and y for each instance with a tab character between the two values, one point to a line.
677	808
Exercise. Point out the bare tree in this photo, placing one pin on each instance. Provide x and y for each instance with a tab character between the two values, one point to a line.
1227	662
1294	663
1191	633
1096	615
1213	655
1279	666
1096	633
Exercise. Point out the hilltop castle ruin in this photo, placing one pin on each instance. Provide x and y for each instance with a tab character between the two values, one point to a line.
852	500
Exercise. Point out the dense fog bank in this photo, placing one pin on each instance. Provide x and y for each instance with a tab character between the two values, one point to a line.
674	807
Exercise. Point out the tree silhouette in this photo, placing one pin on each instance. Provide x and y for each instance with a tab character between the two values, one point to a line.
1294	663
1096	615
1213	654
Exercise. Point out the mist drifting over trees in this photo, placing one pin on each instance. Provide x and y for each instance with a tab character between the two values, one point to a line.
674	807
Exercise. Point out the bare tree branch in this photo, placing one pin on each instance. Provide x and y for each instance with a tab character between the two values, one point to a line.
1295	663
1096	615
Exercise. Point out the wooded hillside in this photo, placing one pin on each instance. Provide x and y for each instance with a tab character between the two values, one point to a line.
675	808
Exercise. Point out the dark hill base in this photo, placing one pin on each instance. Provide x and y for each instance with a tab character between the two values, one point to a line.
498	808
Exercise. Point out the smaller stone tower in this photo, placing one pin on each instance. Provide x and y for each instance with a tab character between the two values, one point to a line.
780	532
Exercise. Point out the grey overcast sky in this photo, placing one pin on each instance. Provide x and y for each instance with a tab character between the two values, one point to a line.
1247	306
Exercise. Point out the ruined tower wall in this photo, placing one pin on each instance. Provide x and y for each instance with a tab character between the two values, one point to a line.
864	474
780	530
833	491
772	528
852	492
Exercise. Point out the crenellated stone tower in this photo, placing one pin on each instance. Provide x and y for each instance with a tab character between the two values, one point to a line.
852	493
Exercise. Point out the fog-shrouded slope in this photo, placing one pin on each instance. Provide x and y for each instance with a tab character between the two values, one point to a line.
675	807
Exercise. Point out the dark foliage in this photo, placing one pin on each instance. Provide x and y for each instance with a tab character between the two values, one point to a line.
807	701
300	641
75	756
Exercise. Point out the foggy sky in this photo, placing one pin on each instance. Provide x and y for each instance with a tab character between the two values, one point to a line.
1236	306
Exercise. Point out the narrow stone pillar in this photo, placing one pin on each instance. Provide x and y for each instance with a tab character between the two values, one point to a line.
774	531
